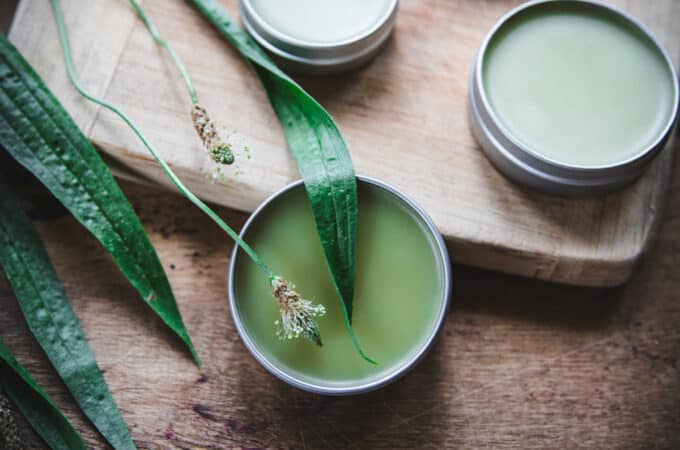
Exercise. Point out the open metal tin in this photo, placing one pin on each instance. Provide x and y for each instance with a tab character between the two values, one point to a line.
319	58
528	167
441	254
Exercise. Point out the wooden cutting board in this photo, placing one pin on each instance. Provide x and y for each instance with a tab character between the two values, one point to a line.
403	116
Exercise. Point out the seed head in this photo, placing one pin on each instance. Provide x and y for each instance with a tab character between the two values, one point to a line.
10	438
297	314
219	151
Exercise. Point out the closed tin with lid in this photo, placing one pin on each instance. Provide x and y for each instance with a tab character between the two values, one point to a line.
320	36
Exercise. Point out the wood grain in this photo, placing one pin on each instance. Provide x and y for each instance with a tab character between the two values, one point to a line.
520	363
403	117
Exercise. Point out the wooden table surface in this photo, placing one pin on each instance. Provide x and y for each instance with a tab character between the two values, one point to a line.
520	363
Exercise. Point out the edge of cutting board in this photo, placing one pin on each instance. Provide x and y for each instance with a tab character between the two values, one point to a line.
111	48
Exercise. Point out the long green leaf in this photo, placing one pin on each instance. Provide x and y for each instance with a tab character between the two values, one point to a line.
319	151
43	415
39	133
52	320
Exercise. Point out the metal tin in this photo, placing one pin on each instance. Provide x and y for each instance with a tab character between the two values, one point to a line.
526	167
442	254
314	58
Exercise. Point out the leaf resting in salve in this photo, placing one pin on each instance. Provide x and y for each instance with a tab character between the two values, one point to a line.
319	151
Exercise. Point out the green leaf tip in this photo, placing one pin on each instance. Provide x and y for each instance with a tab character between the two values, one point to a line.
37	132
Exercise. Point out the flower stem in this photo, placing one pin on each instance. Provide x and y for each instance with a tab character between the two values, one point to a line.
218	150
163	43
63	36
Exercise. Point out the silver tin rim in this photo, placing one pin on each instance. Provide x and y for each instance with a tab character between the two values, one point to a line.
528	167
442	253
314	57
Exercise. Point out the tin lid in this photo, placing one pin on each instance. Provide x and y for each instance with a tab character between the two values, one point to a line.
524	165
332	55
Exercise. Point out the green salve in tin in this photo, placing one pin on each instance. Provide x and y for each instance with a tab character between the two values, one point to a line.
399	290
577	84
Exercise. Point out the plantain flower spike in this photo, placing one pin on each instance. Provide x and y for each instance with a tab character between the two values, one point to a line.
9	432
219	151
297	314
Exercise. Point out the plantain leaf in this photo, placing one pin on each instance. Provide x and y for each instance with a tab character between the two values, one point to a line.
39	134
52	320
43	415
319	151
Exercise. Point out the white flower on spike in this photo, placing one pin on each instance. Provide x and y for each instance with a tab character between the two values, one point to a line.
297	314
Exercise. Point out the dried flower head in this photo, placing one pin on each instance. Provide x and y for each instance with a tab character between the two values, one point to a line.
219	151
297	314
9	432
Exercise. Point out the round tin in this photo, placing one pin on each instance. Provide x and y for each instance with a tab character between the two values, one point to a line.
531	169
319	58
404	367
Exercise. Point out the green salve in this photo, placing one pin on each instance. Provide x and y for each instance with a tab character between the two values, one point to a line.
398	292
578	84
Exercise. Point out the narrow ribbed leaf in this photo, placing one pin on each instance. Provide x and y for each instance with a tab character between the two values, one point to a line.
319	151
43	415
39	133
52	320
